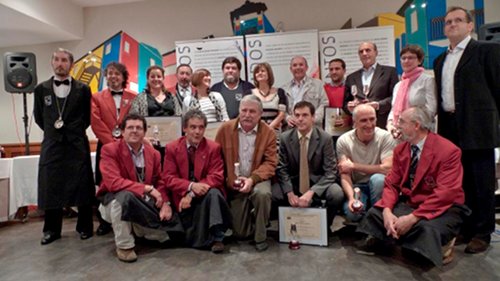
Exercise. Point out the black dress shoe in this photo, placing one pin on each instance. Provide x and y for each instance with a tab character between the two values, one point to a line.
49	237
86	235
103	229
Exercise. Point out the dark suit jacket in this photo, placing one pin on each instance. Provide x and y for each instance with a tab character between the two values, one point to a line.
438	179
119	173
103	116
381	87
477	95
321	156
208	167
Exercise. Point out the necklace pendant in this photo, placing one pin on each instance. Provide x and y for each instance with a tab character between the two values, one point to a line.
59	123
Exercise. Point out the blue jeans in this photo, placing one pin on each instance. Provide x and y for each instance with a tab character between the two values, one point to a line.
370	193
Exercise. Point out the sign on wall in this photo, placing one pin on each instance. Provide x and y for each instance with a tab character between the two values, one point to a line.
344	44
278	49
209	54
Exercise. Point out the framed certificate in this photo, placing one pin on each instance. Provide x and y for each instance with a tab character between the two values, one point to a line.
211	130
310	223
332	117
164	128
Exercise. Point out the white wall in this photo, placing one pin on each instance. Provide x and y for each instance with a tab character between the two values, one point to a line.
160	23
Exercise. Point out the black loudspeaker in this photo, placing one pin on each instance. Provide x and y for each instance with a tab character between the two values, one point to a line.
490	32
19	71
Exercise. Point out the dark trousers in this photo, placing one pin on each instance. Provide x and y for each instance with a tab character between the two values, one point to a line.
98	179
426	237
478	182
54	217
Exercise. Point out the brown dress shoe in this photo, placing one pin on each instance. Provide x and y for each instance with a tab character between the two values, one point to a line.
217	247
448	251
126	255
476	245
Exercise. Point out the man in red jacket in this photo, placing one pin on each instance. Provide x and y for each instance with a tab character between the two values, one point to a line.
194	173
422	202
133	195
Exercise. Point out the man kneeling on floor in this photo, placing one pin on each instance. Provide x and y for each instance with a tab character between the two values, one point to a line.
133	195
422	202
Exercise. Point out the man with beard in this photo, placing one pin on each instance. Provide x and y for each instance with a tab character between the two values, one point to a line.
365	157
304	88
109	107
422	203
232	87
183	87
62	111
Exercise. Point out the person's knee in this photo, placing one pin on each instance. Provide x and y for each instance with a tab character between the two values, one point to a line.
335	195
376	184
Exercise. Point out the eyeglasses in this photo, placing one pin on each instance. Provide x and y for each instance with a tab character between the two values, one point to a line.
403	58
455	20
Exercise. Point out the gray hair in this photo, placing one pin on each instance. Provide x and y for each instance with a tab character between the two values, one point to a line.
298	57
422	116
193	113
252	98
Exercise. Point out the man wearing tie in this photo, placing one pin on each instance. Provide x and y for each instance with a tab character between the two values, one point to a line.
109	107
183	87
307	168
421	207
62	111
372	84
194	174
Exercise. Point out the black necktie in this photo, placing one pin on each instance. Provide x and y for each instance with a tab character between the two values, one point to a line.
191	154
59	83
117	93
413	163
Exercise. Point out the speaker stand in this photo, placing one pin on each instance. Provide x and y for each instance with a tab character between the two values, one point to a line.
25	121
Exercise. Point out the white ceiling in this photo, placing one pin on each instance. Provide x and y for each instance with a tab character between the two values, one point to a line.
20	29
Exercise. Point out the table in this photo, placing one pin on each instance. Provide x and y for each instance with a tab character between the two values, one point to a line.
21	175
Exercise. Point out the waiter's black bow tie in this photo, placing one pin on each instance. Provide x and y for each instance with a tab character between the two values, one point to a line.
59	83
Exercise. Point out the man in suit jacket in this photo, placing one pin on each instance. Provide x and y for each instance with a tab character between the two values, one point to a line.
62	111
132	193
304	88
307	169
422	203
109	107
249	142
467	78
183	87
194	173
372	84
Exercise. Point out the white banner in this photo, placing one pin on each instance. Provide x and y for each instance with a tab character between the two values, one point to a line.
277	49
209	54
344	44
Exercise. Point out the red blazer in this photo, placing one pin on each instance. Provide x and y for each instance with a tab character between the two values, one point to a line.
118	170
208	167
103	113
438	180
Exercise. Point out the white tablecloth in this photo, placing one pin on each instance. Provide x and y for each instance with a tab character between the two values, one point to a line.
23	177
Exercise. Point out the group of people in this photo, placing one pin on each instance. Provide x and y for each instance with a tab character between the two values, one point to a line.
195	191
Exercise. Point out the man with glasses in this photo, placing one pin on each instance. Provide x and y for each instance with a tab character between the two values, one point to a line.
468	84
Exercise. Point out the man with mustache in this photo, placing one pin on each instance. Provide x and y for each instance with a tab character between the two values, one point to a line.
249	142
183	87
232	87
62	111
